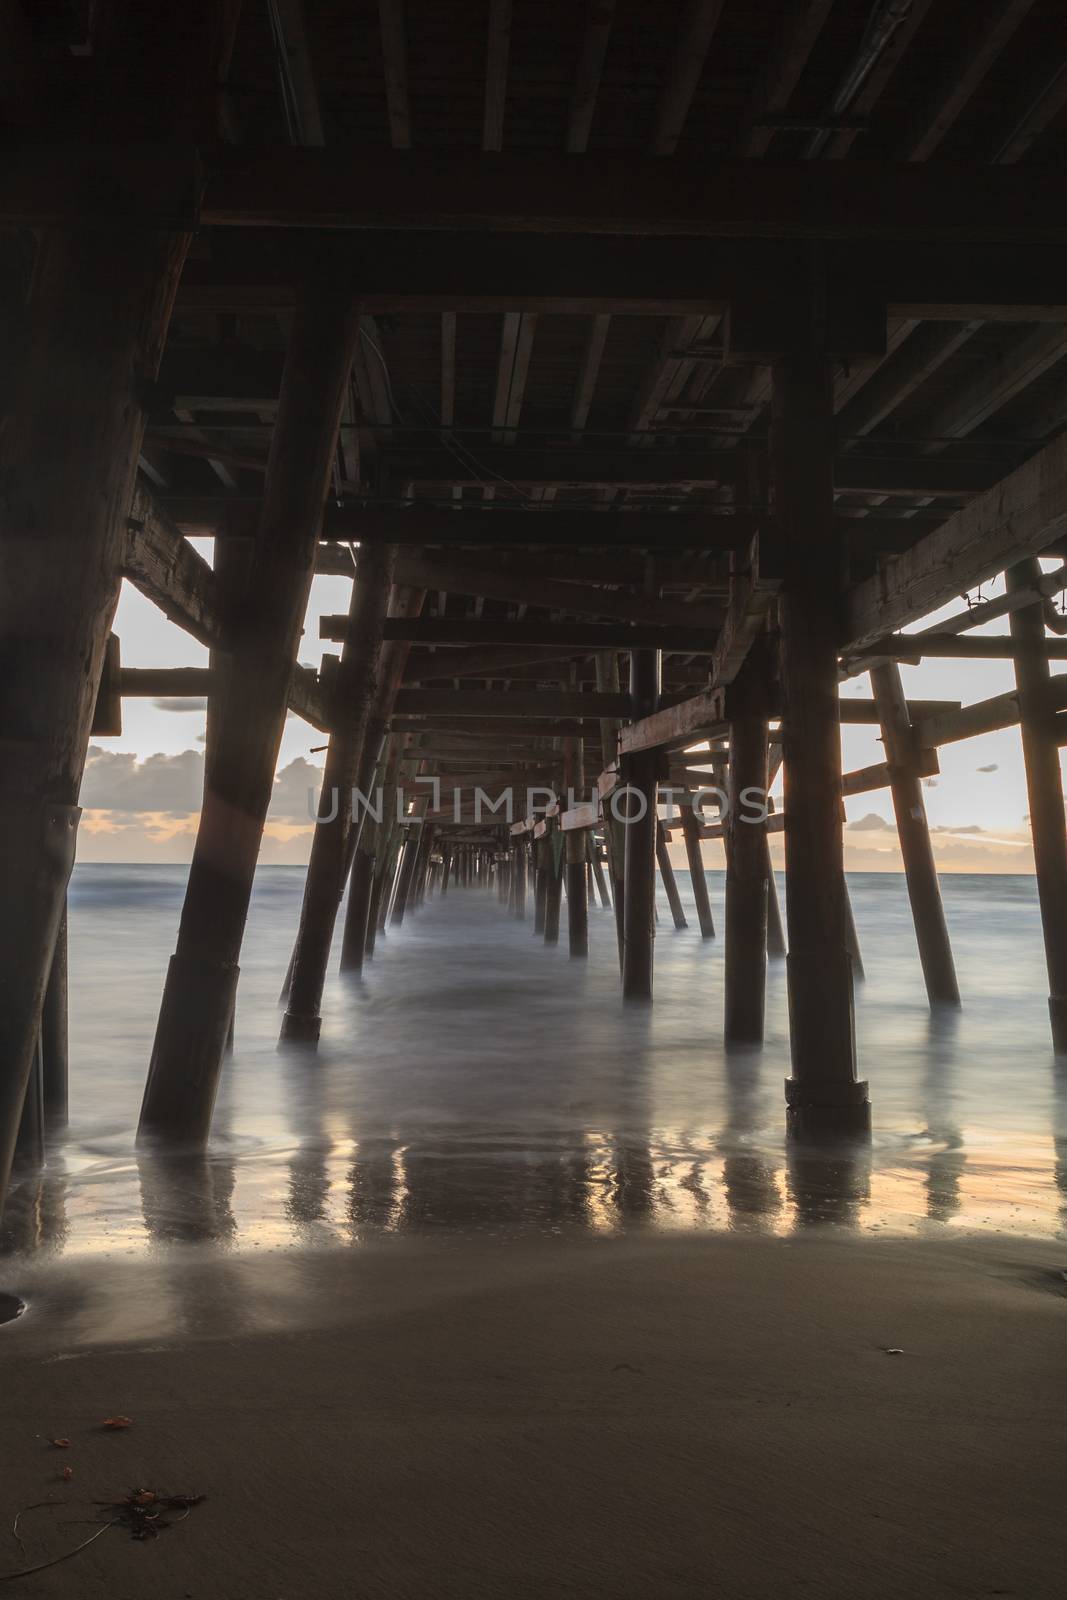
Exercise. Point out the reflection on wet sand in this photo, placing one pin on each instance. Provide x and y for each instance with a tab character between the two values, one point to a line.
511	1093
749	1174
940	1099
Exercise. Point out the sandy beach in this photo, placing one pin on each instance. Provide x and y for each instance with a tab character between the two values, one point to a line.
669	1417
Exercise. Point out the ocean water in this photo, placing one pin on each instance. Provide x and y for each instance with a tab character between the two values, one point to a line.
475	1082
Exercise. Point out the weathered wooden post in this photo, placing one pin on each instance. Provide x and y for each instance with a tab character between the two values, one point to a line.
519	872
542	850
931	933
574	850
823	1095
666	872
1044	788
598	874
422	866
607	682
698	877
352	700
639	889
92	333
364	834
554	883
409	857
746	859
446	865
202	979
776	946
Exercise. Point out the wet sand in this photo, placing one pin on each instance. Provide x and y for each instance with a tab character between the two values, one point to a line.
647	1417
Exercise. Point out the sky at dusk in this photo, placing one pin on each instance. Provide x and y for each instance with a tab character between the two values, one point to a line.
141	790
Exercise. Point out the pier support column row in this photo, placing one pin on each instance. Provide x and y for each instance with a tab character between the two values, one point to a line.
823	1094
239	774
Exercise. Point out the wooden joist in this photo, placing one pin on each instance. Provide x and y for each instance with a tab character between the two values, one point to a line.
422	525
435	271
533	193
512	633
679	724
584	815
508	703
705	715
575	468
524	587
864	710
913	647
1019	517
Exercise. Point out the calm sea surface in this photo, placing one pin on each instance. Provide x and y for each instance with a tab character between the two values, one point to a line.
476	1082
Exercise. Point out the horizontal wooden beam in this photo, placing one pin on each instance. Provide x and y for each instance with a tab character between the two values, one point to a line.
678	724
430	525
509	703
538	193
958	646
447	723
626	276
1020	517
306	696
163	683
864	711
524	587
984	716
587	466
583	815
705	715
528	631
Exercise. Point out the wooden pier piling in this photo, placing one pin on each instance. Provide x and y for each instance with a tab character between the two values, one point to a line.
639	889
553	885
823	1095
666	872
607	682
355	687
574	852
697	874
201	982
745	979
924	891
1044	787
